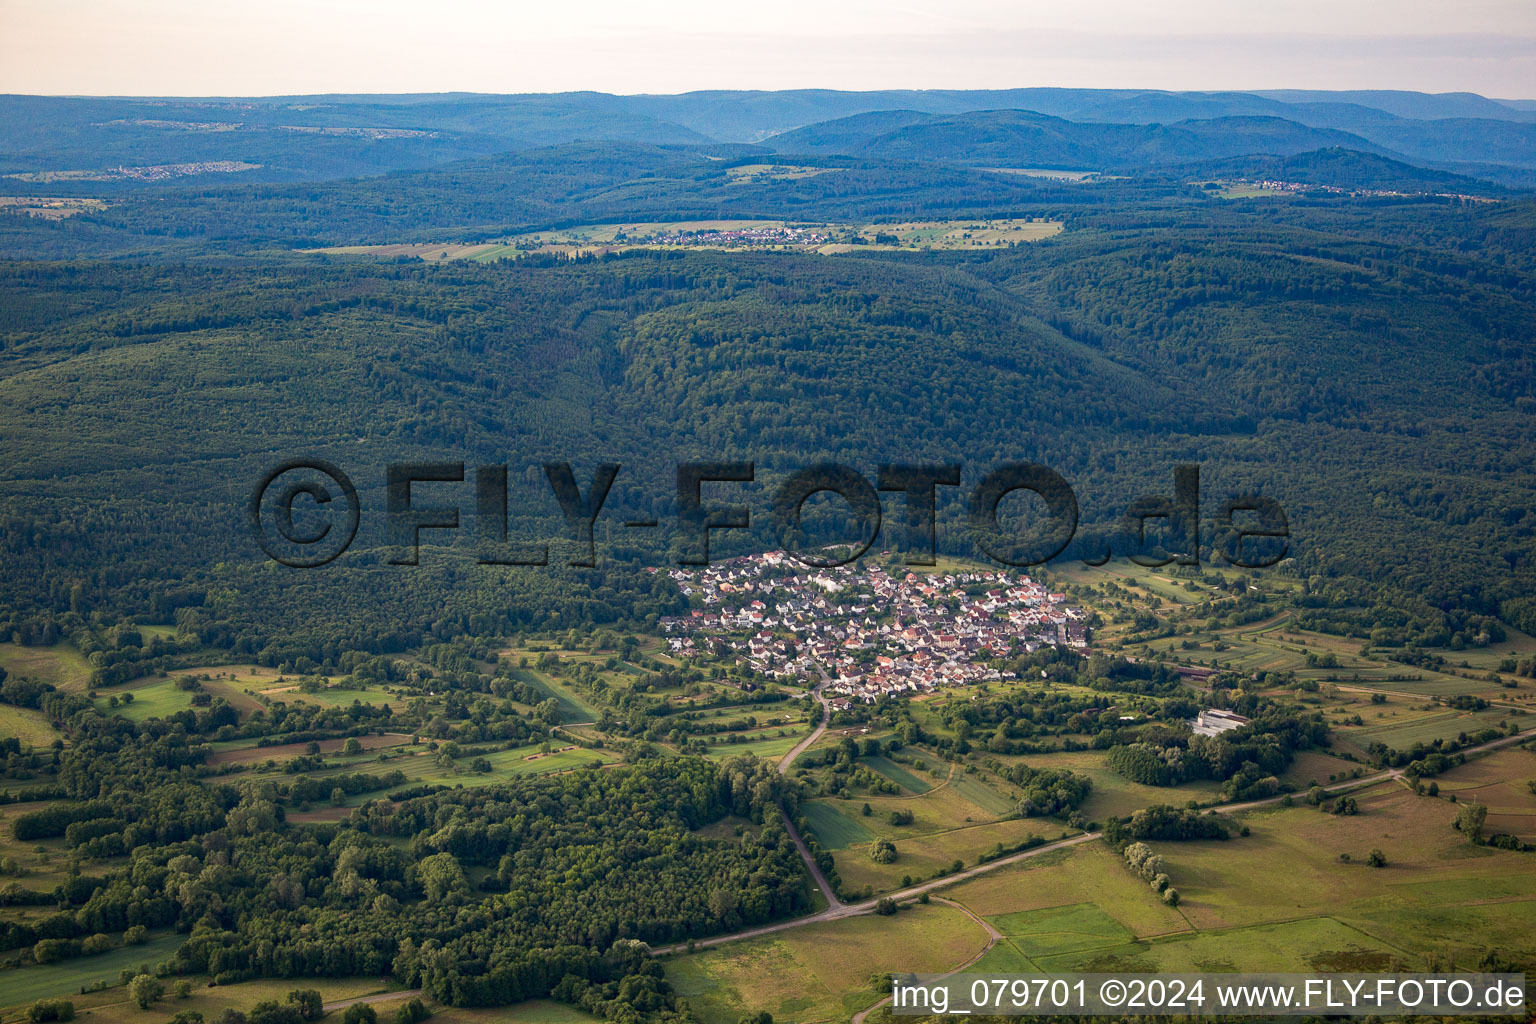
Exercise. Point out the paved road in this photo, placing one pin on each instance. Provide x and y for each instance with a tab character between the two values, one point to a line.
821	727
842	910
382	997
833	903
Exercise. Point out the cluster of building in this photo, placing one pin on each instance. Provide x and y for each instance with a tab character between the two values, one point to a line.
158	172
866	632
745	236
1302	186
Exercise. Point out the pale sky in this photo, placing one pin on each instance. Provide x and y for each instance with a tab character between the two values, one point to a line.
224	47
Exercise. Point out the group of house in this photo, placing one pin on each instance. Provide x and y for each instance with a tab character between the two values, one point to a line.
869	632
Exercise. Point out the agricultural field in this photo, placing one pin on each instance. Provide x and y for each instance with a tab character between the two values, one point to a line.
1118	590
823	971
960	234
1318	766
1091	874
1247	190
429	251
897	774
955	817
1313	944
332	696
1501	781
1438	892
49	207
762	174
1050	173
834	828
1068	928
1401	720
1082	909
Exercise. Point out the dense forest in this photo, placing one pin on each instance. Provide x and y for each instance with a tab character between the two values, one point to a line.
480	896
1377	387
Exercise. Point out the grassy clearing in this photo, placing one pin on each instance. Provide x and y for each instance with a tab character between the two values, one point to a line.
112	1006
333	698
59	664
67	977
535	1011
923	857
726	827
573	707
822	971
423	768
762	174
241	751
1041	172
44	861
1112	793
152	699
29	726
761	744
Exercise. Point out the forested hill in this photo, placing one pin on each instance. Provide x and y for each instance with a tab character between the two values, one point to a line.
1365	363
135	144
1021	138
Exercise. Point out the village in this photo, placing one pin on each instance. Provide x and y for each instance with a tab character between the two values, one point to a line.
753	235
864	632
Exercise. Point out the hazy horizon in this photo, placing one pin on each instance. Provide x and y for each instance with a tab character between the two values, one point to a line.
178	48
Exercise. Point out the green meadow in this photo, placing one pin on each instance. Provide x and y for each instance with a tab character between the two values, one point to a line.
67	977
59	664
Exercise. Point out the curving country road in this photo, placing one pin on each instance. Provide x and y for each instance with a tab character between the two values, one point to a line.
833	903
993	938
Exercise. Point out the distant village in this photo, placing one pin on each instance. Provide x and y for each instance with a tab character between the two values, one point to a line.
1275	185
732	237
865	632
